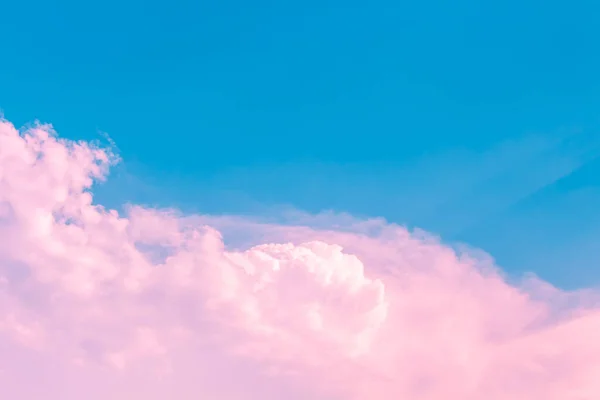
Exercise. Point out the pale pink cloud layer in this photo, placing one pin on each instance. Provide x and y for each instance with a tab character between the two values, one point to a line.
153	305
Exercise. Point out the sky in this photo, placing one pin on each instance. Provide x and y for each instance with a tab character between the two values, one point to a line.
317	200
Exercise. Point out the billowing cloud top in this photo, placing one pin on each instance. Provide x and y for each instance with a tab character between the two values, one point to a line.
153	305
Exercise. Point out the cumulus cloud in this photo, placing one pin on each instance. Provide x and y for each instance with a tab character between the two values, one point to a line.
154	304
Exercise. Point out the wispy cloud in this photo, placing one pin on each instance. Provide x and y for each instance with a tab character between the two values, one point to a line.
155	304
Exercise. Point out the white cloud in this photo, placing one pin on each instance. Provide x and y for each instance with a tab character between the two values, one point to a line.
153	305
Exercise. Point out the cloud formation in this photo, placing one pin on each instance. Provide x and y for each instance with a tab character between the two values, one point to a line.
153	304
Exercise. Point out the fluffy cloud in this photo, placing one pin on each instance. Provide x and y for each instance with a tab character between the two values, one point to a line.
152	304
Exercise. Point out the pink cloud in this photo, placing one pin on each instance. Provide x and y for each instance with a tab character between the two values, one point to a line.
152	304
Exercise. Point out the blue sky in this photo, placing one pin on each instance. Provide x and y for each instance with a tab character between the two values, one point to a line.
474	120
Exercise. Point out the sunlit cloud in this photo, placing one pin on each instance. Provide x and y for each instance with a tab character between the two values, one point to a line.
155	304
